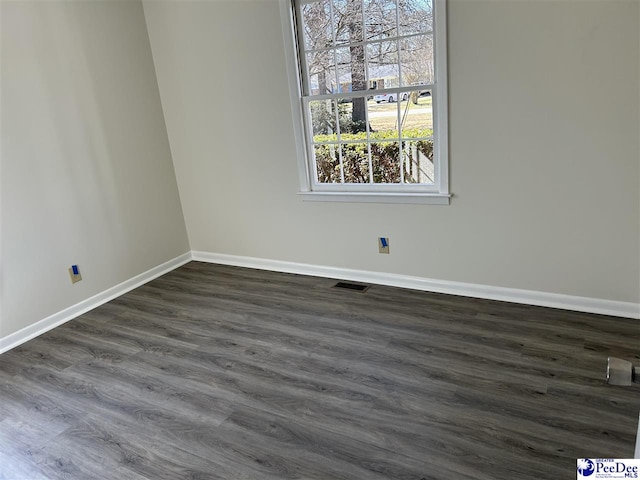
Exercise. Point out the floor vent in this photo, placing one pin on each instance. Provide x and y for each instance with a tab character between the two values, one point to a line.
352	286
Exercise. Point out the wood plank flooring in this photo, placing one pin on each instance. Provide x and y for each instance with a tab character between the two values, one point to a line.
217	372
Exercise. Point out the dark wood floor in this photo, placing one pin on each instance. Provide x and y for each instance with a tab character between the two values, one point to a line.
228	373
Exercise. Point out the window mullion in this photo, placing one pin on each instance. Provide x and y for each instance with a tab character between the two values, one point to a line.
368	84
366	119
333	44
399	98
334	107
399	120
363	93
364	51
397	40
369	42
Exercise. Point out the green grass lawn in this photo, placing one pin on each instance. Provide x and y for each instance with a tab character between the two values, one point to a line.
383	116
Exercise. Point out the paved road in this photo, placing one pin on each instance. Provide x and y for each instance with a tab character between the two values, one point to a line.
393	113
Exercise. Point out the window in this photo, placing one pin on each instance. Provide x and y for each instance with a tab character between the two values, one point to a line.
373	99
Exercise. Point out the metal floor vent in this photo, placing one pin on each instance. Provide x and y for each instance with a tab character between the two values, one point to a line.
352	286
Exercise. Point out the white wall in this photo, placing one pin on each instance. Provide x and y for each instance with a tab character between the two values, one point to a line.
544	148
543	138
87	176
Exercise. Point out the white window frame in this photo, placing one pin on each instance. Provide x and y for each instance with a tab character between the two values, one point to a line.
438	193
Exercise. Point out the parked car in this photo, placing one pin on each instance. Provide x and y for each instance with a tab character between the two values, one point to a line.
390	97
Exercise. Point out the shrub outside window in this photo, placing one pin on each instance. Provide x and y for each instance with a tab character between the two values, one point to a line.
373	76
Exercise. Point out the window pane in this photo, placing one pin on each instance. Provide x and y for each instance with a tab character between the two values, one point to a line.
316	24
358	119
351	116
327	163
383	117
322	72
351	69
347	21
348	112
380	19
416	16
385	162
355	161
383	64
417	115
323	120
417	159
416	54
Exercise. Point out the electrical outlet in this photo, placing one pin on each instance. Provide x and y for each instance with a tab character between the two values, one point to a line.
74	273
383	245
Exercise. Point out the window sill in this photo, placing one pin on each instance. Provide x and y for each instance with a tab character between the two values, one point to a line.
368	197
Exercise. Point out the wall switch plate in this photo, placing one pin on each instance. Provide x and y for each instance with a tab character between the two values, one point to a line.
383	245
74	273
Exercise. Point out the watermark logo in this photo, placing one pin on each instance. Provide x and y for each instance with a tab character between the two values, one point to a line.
586	467
609	468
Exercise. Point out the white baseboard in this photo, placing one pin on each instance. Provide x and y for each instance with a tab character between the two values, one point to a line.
528	297
44	325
